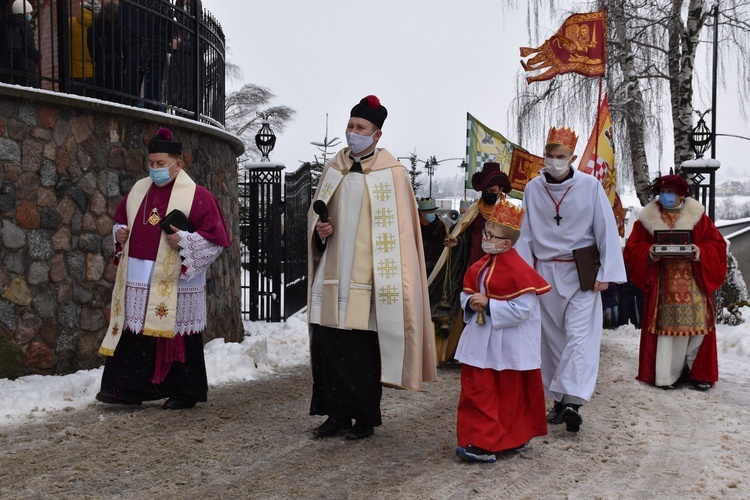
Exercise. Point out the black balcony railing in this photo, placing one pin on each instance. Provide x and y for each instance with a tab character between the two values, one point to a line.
163	55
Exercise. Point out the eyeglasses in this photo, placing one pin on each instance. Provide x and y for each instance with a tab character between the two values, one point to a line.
487	236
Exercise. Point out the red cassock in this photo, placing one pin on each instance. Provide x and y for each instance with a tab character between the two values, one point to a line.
709	272
504	408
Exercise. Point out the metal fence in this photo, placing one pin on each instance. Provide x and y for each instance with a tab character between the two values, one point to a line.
261	240
155	54
298	195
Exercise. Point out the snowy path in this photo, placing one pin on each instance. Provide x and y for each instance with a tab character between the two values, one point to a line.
252	440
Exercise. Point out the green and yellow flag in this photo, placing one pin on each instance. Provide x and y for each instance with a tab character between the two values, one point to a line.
485	145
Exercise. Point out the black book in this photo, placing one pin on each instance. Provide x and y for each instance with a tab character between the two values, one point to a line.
587	264
177	219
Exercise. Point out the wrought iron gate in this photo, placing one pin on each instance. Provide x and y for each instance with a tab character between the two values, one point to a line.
297	197
261	240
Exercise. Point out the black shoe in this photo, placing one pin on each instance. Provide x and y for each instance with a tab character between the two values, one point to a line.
332	427
670	387
360	431
474	454
700	385
177	404
518	449
106	397
572	418
555	414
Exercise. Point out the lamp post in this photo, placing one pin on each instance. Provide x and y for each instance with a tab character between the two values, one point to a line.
430	165
700	140
265	139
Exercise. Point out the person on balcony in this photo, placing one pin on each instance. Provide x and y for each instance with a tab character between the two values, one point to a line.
24	55
147	38
81	64
181	74
105	47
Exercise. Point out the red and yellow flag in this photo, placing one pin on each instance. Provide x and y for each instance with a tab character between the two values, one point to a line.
598	158
524	166
578	46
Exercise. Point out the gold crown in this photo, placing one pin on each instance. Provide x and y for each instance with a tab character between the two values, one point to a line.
507	214
562	136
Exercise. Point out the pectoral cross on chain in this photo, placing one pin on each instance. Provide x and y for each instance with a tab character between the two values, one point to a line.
557	204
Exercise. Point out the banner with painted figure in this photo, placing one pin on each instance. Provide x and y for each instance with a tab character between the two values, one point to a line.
485	145
578	46
524	166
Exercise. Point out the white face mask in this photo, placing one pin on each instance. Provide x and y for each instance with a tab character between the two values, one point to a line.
358	143
490	248
557	168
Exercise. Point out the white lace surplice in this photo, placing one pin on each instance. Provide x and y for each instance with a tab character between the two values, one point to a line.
197	254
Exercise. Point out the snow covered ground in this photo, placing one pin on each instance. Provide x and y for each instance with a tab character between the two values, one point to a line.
271	347
267	348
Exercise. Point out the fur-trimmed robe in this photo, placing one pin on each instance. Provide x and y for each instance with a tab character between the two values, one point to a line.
709	273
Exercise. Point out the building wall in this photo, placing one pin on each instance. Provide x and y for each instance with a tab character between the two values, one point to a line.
738	232
65	165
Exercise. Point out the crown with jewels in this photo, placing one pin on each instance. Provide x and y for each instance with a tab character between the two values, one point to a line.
507	214
426	204
562	136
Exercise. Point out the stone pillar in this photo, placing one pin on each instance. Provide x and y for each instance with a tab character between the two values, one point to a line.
65	165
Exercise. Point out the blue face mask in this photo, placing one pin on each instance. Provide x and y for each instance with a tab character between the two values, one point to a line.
667	200
160	176
430	217
28	17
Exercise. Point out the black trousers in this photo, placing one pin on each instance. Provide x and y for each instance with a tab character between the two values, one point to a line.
127	374
346	374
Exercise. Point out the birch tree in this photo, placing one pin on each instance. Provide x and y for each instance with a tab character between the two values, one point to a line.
652	47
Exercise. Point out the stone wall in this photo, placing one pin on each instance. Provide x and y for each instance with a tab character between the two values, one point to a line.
65	165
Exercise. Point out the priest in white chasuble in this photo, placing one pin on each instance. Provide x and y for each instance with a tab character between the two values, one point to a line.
368	305
566	210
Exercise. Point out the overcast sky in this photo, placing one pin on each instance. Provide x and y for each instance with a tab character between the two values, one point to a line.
429	61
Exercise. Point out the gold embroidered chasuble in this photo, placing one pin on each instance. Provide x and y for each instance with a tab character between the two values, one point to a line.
162	298
683	305
388	268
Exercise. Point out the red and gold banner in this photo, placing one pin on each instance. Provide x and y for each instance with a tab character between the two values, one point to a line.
578	46
598	158
524	166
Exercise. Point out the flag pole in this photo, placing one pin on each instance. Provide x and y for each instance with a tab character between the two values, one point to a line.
598	117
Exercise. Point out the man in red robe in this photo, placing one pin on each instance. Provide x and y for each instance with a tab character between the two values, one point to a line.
678	332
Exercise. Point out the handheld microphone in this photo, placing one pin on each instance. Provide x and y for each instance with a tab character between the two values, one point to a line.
321	209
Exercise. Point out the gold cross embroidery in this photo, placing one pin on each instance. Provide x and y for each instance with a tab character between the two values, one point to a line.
382	191
383	217
387	268
388	294
325	191
385	242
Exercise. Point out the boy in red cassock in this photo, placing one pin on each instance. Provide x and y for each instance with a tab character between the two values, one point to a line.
502	405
